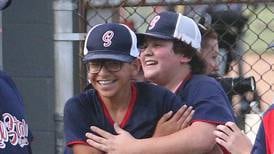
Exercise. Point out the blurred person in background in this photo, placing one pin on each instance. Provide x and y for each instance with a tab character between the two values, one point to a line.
242	100
209	48
227	21
236	142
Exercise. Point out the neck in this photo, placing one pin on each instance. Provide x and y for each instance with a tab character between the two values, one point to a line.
117	106
174	82
119	102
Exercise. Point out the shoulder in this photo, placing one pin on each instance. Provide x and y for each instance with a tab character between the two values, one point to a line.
8	91
155	94
204	81
201	87
5	78
81	100
203	78
150	88
3	74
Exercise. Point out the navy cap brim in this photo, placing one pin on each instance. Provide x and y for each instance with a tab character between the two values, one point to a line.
107	54
141	37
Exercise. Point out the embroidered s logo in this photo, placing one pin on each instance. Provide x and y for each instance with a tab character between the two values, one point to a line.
107	37
153	22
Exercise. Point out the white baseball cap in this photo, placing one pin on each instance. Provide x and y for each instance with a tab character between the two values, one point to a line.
170	25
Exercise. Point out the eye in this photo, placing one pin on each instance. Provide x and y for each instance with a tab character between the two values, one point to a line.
113	62
94	66
143	46
94	63
113	65
157	44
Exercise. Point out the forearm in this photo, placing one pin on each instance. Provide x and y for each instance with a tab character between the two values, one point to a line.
198	138
85	149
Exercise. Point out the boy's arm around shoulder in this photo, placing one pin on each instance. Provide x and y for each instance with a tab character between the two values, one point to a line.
197	138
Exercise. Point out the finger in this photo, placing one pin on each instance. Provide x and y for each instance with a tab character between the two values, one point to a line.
221	135
221	142
101	132
185	115
165	117
179	113
97	145
187	120
232	126
118	129
95	138
225	129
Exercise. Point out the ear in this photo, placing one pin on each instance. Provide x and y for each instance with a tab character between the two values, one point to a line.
135	66
184	59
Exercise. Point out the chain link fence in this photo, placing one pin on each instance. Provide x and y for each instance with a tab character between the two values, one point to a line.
246	32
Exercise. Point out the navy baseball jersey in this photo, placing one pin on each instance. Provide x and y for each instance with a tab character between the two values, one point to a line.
148	104
15	136
264	142
208	98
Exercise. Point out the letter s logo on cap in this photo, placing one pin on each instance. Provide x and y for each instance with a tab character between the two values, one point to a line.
153	22
107	37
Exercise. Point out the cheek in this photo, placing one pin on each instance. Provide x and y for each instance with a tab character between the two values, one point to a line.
91	76
163	55
141	57
213	65
210	62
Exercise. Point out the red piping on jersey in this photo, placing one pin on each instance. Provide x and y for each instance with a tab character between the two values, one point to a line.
131	105
129	110
210	122
69	144
183	82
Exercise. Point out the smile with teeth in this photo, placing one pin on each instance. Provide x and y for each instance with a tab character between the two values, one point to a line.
105	82
151	62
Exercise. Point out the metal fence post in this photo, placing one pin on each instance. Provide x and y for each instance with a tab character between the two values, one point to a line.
63	59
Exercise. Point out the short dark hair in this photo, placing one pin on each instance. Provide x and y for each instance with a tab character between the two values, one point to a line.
197	64
207	34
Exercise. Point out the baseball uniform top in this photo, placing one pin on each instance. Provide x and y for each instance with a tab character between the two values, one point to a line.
264	142
207	97
148	104
15	136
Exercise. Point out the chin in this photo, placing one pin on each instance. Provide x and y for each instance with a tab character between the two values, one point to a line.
106	94
150	76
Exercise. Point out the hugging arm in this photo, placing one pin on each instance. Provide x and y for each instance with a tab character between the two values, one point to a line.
197	138
85	149
168	124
